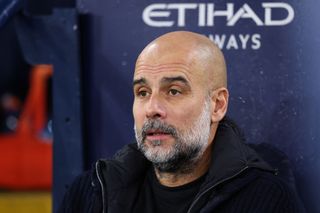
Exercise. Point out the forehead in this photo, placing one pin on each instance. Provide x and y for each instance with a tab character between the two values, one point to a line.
158	73
161	69
165	66
163	60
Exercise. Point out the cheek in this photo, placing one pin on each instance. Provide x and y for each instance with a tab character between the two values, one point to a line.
188	114
138	114
183	116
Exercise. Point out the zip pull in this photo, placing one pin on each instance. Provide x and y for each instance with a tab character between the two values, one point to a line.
97	166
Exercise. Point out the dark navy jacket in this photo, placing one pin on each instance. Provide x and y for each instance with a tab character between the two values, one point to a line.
238	180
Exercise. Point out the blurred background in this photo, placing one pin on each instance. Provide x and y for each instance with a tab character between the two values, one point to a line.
25	130
66	70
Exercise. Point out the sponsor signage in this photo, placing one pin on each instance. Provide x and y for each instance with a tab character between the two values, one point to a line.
166	15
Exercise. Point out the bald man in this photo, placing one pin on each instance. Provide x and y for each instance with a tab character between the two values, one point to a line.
188	156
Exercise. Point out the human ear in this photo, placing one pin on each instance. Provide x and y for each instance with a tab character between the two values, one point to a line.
219	99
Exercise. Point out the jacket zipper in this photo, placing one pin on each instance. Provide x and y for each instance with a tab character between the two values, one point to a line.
102	187
211	187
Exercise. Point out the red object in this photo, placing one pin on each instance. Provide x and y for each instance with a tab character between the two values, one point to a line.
25	157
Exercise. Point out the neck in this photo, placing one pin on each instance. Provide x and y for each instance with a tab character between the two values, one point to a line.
183	177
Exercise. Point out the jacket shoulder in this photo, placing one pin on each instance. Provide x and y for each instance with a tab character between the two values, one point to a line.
271	193
258	191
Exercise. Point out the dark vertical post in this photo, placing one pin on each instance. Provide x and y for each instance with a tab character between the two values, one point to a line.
54	40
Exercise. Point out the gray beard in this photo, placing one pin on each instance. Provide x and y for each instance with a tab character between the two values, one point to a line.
188	148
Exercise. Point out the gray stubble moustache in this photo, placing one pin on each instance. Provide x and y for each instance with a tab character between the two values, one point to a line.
160	126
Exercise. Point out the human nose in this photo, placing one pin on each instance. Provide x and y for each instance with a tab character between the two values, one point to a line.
155	107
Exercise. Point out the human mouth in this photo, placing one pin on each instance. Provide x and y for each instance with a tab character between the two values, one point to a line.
159	135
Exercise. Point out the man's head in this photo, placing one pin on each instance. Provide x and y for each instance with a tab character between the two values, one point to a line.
180	96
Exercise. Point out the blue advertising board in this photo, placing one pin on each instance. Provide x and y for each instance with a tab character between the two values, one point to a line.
272	52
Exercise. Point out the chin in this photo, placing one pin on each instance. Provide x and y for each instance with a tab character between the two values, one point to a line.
157	154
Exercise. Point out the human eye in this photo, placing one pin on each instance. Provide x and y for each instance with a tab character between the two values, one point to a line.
142	93
174	92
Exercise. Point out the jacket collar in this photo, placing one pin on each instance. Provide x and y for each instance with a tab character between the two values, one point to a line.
230	155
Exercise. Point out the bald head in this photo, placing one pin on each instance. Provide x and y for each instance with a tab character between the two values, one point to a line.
193	49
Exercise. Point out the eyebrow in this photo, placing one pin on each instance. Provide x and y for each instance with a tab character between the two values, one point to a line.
139	81
169	80
165	80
